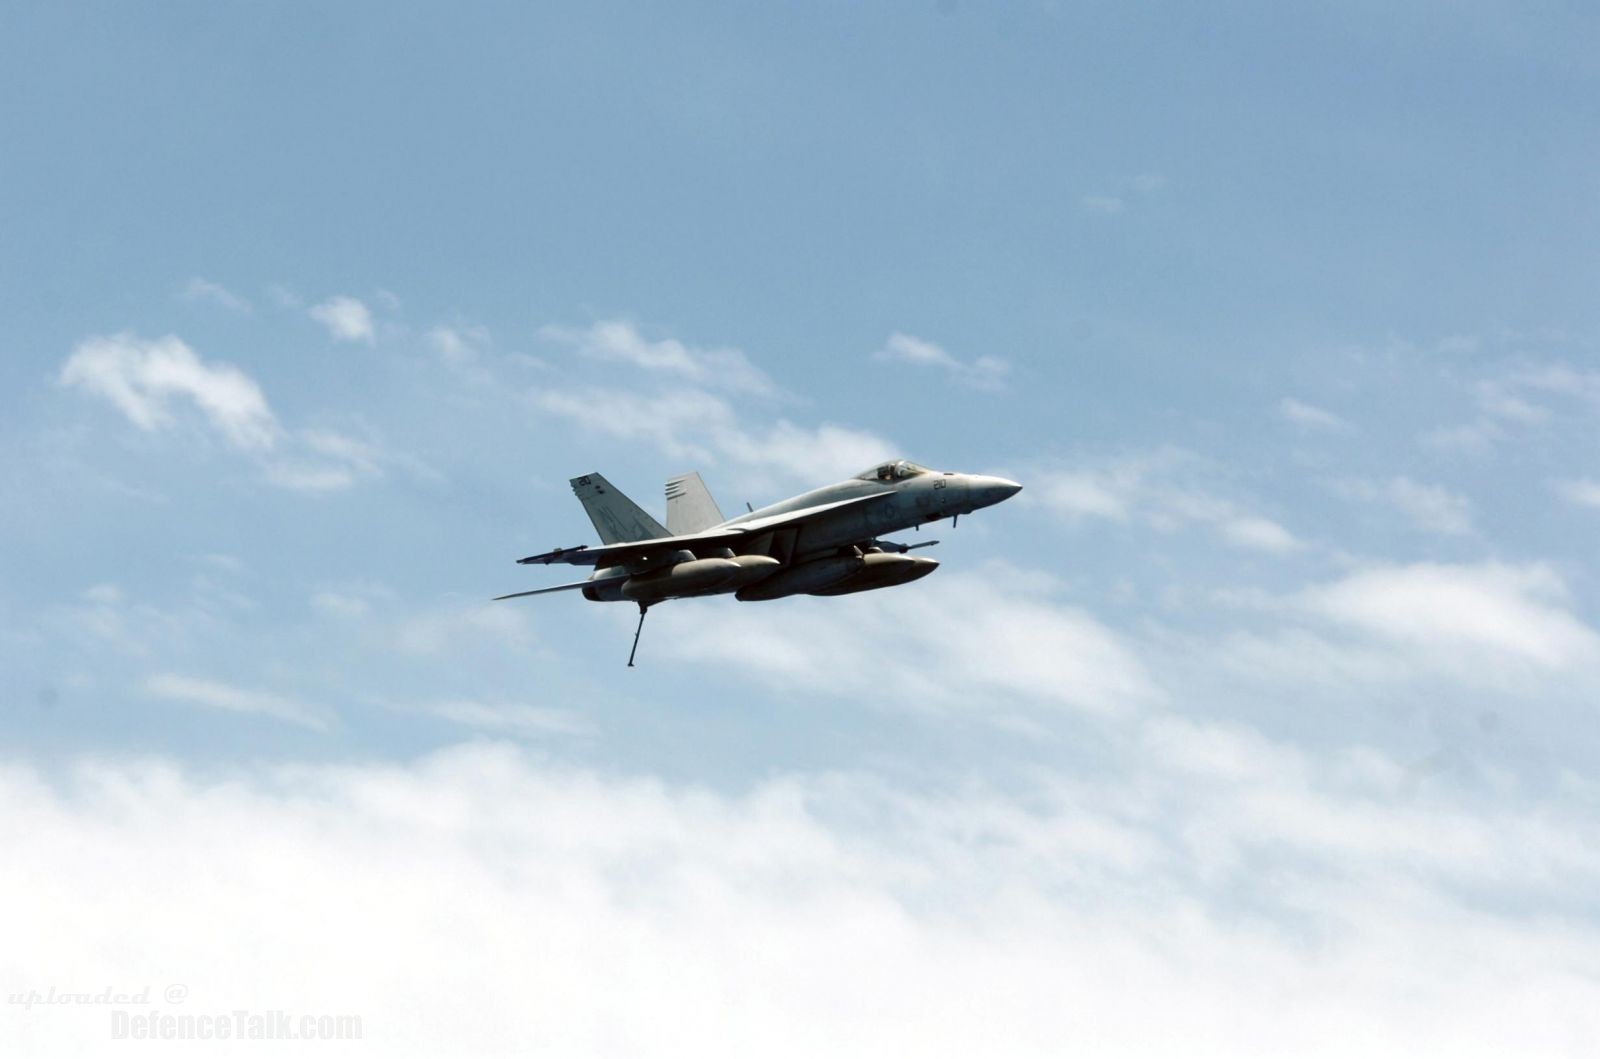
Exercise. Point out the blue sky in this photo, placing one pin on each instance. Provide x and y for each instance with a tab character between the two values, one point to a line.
1266	707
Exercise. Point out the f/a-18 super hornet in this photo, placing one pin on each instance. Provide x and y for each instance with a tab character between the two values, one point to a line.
827	542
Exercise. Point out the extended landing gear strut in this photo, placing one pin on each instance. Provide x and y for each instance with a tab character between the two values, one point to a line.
643	609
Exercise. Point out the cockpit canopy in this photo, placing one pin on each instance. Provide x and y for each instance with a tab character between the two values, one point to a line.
893	472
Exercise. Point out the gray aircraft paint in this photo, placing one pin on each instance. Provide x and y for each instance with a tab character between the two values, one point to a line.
826	542
845	519
616	518
690	508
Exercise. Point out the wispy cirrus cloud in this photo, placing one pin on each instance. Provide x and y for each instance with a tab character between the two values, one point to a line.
697	419
1165	489
230	698
204	290
1308	415
698	427
1113	204
1105	205
1580	492
619	341
458	344
981	373
510	718
1521	400
1432	508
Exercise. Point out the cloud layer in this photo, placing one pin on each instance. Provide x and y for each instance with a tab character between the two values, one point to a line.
1225	892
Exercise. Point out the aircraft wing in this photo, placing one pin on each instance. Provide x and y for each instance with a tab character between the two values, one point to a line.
720	537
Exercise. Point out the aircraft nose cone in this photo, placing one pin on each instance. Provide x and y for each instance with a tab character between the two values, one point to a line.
988	490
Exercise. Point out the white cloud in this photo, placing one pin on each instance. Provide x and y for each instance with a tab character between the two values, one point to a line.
355	601
1105	205
322	461
1459	614
310	478
361	456
1110	488
1156	488
1500	400
806	454
511	718
459	345
1518	402
697	427
696	424
619	341
682	422
460	625
1471	437
347	319
1084	494
1558	379
142	378
145	380
1306	415
1432	507
284	297
983	373
1429	507
1258	900
203	290
911	350
989	640
1258	534
1446	638
1144	184
1583	492
112	625
215	695
103	616
341	605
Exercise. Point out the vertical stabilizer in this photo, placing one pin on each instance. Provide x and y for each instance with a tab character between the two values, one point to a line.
616	518
690	508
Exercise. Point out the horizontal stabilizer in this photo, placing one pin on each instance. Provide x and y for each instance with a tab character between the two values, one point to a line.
554	555
597	582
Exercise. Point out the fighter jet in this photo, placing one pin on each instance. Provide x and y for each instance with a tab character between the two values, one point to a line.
827	542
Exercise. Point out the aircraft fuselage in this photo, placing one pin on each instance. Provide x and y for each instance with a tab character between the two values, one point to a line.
830	535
